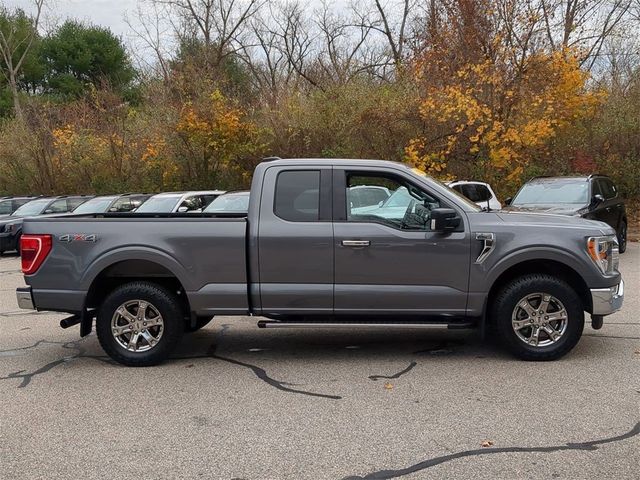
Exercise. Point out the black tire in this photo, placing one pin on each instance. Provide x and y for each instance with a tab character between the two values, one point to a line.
504	307
17	244
158	297
622	237
200	322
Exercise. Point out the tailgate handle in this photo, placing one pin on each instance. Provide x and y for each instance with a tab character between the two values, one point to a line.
356	243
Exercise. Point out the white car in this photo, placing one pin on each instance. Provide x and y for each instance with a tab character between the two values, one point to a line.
480	193
179	202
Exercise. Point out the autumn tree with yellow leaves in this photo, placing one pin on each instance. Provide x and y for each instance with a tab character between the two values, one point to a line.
493	105
217	143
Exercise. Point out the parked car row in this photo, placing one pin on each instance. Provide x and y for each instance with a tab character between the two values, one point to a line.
594	197
13	210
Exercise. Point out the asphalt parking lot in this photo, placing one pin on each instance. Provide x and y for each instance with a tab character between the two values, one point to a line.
241	403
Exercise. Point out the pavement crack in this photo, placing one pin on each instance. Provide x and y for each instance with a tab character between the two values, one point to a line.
259	372
26	377
587	446
262	375
395	375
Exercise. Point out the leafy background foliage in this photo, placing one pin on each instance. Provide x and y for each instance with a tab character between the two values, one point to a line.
485	89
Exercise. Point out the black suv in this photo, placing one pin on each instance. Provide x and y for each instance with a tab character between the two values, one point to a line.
11	226
594	197
9	205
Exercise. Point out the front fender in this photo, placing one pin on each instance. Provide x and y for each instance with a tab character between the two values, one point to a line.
574	260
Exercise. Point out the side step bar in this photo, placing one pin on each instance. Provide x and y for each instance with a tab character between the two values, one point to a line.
389	325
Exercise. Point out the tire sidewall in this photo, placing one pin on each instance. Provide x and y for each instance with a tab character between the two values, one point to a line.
622	238
520	288
164	301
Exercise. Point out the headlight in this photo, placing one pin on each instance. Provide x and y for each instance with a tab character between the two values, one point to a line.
604	253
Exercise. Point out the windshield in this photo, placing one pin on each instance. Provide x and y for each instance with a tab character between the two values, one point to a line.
96	205
553	192
163	204
399	198
229	203
35	207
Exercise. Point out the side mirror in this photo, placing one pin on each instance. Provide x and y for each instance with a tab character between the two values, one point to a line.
380	203
183	209
596	200
507	201
48	211
444	219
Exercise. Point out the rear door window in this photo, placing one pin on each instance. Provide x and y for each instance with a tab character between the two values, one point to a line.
59	206
5	207
297	196
474	191
121	205
72	203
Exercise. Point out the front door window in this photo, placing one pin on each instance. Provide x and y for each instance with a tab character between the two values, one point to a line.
405	208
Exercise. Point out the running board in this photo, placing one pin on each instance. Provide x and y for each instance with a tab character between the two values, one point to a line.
390	325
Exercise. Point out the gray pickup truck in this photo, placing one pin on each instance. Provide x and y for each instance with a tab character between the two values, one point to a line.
306	256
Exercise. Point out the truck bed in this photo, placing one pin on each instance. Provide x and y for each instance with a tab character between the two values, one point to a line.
206	253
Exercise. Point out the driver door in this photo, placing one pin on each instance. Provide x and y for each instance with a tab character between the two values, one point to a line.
387	260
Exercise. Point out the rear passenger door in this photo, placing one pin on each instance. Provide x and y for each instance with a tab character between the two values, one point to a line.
295	241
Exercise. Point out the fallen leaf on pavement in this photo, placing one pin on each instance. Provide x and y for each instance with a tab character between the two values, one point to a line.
388	385
487	444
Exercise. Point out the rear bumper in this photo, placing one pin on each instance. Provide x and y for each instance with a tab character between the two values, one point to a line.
25	298
71	301
606	301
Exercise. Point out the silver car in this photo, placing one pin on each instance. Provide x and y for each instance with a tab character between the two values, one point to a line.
179	202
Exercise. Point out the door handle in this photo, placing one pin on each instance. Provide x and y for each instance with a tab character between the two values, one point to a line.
356	243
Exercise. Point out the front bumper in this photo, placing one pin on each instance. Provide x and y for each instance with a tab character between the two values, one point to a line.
25	298
606	301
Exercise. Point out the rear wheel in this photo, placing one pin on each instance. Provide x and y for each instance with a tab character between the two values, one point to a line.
538	317
622	237
139	324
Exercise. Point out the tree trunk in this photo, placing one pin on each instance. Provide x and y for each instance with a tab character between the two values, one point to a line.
13	84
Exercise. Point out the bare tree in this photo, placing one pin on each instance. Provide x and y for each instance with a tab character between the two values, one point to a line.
583	24
151	27
10	45
218	22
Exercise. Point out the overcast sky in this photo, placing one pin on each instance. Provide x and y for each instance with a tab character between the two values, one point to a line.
107	13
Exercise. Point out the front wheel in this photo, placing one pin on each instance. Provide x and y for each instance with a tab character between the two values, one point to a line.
139	324
622	237
538	317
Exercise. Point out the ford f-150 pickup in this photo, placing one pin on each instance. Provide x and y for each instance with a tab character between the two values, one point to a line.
305	256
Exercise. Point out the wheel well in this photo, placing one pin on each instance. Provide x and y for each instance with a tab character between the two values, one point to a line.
551	267
132	270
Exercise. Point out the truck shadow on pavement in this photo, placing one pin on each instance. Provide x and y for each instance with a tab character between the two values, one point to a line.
225	344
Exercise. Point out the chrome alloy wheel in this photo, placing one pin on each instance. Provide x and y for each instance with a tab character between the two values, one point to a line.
539	319
137	326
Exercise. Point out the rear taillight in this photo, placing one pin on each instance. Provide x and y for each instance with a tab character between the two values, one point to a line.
33	250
